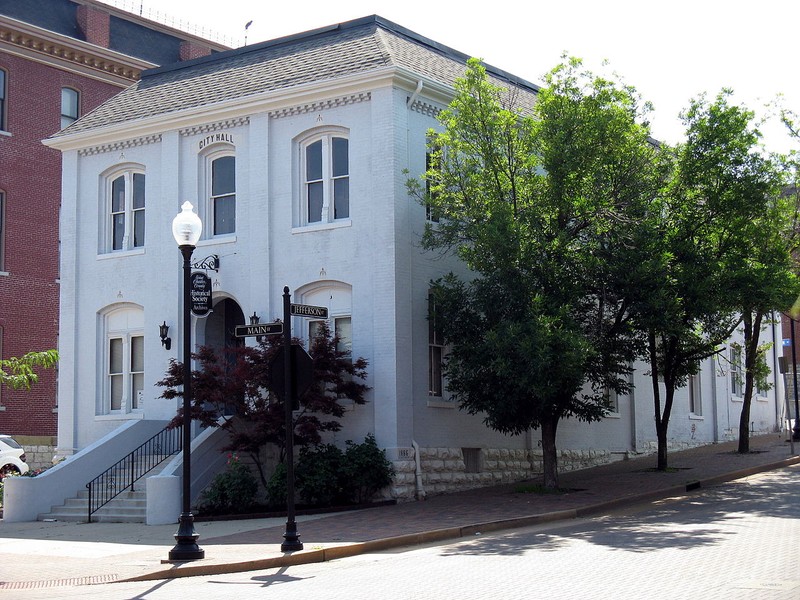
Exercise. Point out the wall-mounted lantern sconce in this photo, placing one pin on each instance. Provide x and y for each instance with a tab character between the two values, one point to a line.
163	332
255	320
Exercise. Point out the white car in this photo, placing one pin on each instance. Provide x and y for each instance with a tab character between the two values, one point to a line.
12	457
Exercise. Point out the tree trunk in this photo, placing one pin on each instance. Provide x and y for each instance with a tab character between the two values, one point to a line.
752	334
661	435
549	458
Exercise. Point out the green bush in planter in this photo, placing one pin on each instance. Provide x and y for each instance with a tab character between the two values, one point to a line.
366	470
233	491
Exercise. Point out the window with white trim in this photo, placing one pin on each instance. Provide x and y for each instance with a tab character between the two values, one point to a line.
341	327
69	106
2	229
123	377
222	197
612	400
125	210
435	352
736	371
695	395
325	173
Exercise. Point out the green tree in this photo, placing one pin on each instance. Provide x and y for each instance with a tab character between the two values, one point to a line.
532	200
20	372
235	387
703	244
769	282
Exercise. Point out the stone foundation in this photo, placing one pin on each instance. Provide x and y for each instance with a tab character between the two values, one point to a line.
444	470
39	450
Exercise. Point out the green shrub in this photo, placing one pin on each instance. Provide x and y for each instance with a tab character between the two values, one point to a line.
326	476
318	476
232	491
366	470
276	488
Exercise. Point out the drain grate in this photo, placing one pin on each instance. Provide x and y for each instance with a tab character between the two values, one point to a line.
29	585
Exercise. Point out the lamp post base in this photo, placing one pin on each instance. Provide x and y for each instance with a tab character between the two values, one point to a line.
291	541
186	547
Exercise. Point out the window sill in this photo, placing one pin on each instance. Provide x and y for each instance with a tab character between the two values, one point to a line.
322	226
120	254
134	416
2	408
220	239
613	415
737	399
441	403
6	133
762	399
694	417
4	274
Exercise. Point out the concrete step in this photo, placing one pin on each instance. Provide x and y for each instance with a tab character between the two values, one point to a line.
128	507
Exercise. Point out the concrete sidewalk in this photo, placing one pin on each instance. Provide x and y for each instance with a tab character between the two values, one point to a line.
43	554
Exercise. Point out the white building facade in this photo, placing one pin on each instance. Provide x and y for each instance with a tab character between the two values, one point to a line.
295	153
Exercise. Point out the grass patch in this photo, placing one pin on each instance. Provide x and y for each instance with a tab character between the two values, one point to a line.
537	488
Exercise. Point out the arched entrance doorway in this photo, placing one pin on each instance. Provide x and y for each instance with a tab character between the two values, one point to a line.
220	328
221	325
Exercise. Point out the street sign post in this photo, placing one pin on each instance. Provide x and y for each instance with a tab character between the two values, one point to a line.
259	329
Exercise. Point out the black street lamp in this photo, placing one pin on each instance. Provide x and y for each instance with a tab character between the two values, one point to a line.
186	229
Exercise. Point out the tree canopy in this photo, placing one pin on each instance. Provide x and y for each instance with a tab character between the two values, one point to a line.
20	372
235	387
531	203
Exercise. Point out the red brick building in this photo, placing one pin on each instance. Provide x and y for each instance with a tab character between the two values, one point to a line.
59	59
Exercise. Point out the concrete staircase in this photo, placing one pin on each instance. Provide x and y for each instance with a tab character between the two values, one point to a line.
128	507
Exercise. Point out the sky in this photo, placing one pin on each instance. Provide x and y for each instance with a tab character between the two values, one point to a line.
671	51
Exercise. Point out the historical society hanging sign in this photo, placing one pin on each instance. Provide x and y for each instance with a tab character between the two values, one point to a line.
200	294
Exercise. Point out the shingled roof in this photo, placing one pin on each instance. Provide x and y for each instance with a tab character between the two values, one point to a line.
358	46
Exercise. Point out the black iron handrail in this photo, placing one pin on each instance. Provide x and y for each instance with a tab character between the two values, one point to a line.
126	472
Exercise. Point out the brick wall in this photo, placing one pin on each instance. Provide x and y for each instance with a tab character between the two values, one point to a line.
30	177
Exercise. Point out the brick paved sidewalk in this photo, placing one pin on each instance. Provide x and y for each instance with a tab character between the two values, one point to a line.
51	554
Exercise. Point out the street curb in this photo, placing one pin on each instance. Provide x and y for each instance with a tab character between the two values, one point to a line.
451	533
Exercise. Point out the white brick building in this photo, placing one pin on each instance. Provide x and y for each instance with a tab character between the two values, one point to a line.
295	153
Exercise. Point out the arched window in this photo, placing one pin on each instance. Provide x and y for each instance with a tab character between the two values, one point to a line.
336	296
123	360
69	106
325	177
124	210
218	172
223	195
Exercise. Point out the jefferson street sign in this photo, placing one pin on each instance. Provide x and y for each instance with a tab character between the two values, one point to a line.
306	310
259	329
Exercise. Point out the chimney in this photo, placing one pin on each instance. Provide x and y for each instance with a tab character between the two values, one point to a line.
95	25
190	50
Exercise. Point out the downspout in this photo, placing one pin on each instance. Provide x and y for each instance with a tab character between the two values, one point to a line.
420	493
416	93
